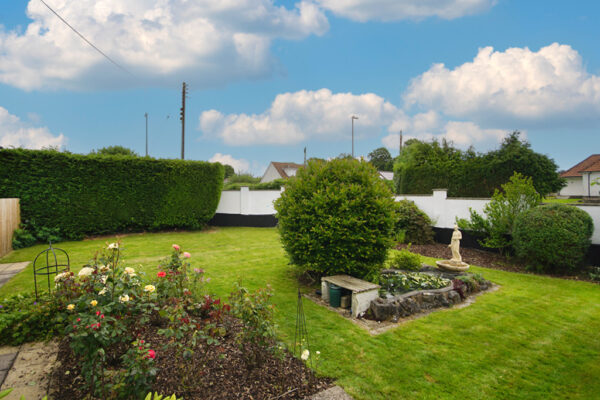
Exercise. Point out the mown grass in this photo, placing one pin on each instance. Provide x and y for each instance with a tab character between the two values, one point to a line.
535	338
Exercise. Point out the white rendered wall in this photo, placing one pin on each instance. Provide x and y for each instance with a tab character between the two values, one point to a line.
443	211
573	188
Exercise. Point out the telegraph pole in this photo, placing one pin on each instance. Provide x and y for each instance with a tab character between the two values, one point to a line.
146	115
182	117
305	156
353	118
400	153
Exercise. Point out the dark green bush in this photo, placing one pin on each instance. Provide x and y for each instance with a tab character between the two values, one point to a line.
414	222
406	260
337	217
553	237
96	194
23	238
273	185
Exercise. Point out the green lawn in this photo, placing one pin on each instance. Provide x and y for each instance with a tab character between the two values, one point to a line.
561	201
536	337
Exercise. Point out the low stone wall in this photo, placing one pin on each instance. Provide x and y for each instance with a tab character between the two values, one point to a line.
404	305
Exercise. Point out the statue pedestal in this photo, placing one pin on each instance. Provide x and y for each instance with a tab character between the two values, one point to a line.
452	265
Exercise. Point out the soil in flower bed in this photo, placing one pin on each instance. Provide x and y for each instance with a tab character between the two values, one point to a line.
482	258
215	372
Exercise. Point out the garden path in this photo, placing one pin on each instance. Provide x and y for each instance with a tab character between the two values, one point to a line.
7	271
27	369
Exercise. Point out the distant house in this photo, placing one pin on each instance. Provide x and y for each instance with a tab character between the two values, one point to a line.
386	175
580	177
280	170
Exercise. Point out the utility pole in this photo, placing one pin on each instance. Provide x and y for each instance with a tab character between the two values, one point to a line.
353	118
182	117
400	153
146	115
305	156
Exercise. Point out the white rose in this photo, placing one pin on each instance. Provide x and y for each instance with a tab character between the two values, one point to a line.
124	298
130	271
113	246
85	271
103	291
305	355
149	288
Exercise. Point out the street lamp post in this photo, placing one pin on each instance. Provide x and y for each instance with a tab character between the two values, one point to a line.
146	115
353	118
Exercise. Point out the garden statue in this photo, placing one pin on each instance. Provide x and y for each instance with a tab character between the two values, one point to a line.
455	244
456	263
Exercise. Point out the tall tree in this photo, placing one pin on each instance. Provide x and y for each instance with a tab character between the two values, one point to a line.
381	159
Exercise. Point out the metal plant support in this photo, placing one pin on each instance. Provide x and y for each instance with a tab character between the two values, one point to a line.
52	267
301	334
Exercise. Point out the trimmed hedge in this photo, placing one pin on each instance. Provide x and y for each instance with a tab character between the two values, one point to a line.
553	237
93	194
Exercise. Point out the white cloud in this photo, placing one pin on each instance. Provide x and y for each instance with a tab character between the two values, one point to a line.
16	133
303	115
515	85
207	42
394	10
239	165
462	134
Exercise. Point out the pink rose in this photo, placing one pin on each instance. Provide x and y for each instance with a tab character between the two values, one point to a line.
176	247
187	255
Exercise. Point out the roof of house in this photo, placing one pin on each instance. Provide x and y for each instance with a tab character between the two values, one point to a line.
387	175
282	166
590	164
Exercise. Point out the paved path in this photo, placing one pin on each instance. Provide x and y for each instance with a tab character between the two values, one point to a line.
28	369
7	271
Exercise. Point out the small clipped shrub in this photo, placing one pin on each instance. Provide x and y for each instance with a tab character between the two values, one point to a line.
337	217
553	237
23	238
405	260
415	224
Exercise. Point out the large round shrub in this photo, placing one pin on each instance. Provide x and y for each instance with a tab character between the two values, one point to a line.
414	222
337	217
553	237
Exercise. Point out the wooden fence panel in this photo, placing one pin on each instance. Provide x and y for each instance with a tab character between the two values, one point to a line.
10	218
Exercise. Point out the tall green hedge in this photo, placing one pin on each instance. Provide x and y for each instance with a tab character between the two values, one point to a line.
94	194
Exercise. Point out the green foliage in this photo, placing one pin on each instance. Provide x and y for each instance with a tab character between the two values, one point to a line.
29	234
381	159
423	167
517	196
405	259
229	171
243	178
403	282
22	319
553	237
80	195
337	217
255	310
414	222
595	274
23	238
115	151
273	185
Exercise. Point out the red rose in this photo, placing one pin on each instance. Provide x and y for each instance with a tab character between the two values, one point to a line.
151	354
161	274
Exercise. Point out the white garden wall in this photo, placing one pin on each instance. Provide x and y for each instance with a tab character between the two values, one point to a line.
442	210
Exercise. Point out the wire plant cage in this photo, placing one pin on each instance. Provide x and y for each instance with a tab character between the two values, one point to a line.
56	261
301	335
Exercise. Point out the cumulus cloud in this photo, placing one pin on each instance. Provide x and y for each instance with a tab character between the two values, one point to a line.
210	42
302	115
515	85
462	134
239	165
16	133
394	10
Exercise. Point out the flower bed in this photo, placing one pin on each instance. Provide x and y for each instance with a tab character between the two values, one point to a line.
404	293
125	336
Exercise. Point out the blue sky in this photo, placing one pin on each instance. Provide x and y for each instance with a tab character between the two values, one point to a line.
269	78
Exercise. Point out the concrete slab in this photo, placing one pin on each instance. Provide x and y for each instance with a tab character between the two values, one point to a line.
7	271
29	375
6	360
334	393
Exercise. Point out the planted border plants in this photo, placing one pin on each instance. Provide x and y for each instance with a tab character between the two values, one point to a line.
125	335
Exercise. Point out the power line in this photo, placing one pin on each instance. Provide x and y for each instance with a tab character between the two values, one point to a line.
87	41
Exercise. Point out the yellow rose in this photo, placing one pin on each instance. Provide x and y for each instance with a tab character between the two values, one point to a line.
71	307
94	303
149	288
